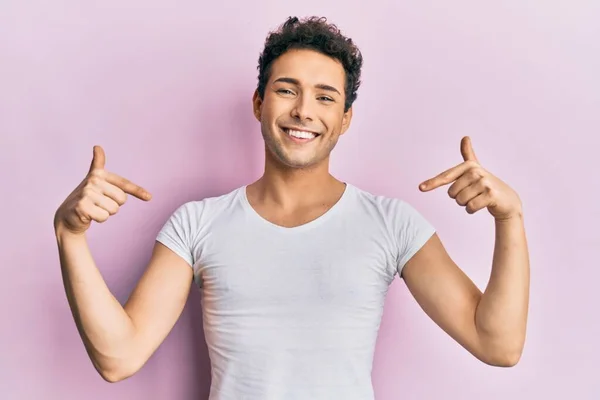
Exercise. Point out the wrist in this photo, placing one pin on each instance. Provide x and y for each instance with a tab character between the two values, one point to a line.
62	233
514	216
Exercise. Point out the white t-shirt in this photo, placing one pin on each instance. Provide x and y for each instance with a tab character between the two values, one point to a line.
293	313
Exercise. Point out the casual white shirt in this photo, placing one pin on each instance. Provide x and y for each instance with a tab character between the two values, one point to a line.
293	313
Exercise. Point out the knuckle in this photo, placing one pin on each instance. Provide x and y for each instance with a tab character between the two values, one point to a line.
94	180
470	206
114	209
121	198
97	173
86	192
474	173
81	214
79	207
103	216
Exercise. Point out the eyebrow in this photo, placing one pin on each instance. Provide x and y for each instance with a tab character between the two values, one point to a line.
318	86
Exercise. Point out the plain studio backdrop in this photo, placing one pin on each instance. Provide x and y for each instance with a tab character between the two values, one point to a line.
165	87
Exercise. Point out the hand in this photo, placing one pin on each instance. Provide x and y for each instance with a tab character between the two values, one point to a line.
97	197
476	188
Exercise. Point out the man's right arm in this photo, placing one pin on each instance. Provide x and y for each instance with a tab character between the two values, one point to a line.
120	339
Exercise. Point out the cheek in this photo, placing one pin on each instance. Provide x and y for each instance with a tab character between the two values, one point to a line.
334	122
272	113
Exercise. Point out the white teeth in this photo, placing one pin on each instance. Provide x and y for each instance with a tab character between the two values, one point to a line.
300	134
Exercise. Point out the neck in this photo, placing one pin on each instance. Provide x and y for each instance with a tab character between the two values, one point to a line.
289	188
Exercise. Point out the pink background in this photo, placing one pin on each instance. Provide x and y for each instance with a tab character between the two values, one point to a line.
165	87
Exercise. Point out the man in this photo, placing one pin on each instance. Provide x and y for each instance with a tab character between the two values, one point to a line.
294	267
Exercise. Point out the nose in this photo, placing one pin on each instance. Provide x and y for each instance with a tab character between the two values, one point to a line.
302	109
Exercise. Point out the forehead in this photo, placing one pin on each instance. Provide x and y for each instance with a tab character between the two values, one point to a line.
309	67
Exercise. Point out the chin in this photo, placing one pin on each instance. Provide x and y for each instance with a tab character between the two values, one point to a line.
300	162
283	157
302	165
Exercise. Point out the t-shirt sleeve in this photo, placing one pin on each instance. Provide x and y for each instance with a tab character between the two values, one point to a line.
179	231
413	231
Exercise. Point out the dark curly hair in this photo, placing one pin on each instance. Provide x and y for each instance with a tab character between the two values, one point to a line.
316	34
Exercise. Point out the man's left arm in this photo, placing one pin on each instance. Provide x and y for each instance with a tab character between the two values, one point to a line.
491	325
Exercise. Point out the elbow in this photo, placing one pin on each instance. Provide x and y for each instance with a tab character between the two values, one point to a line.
114	376
501	350
116	371
111	377
504	358
116	361
507	360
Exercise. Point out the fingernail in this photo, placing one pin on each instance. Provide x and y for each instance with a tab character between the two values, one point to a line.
423	186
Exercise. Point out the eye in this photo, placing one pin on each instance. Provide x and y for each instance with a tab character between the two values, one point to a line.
284	91
325	98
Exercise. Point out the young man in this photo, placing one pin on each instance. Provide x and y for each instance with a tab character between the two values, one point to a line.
294	268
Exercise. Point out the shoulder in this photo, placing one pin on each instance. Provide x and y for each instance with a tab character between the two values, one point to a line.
199	211
384	205
408	227
401	218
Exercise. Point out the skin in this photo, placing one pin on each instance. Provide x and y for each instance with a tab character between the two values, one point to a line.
490	325
118	339
304	90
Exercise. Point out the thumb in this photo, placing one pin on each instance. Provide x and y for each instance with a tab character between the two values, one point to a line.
99	159
466	149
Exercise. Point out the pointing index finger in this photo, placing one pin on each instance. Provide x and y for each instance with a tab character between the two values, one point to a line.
450	175
128	187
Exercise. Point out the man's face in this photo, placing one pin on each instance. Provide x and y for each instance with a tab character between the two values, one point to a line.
302	112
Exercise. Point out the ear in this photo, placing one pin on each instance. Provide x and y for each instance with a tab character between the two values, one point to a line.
346	121
256	105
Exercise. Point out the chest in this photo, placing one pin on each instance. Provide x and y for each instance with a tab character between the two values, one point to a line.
348	269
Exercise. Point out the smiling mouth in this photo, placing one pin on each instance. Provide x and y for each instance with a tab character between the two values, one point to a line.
301	135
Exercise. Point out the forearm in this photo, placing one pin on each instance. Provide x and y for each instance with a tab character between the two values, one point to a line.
501	316
105	328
